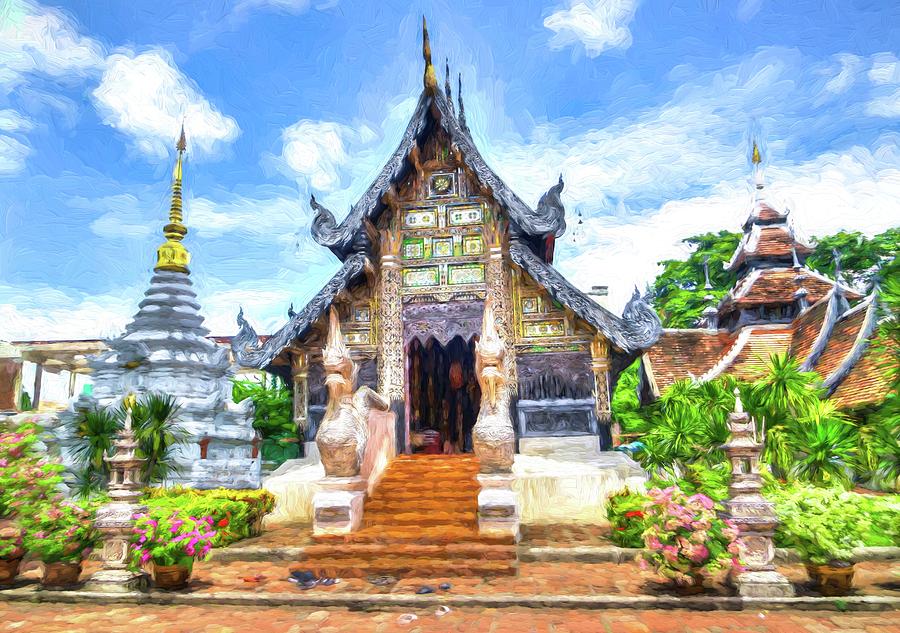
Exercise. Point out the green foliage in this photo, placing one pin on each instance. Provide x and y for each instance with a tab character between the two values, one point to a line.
156	430
824	446
60	531
687	424
154	419
678	291
822	524
26	480
273	416
626	407
860	255
699	478
625	512
12	542
236	514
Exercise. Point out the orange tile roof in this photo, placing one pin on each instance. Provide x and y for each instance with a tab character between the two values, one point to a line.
778	285
766	213
682	353
840	343
807	327
753	357
868	381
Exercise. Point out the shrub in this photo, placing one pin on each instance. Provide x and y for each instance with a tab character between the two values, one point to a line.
625	512
235	513
173	539
26	481
822	524
61	531
685	539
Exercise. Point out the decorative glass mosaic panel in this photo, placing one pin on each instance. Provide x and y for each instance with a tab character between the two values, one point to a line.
414	248
555	327
531	305
465	274
420	219
362	314
442	247
419	277
473	245
442	185
461	216
357	338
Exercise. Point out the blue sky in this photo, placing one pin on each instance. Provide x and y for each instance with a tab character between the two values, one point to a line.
645	107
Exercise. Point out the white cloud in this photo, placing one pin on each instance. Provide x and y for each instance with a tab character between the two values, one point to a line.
315	150
37	39
147	97
266	214
747	9
846	76
12	155
598	24
854	190
885	69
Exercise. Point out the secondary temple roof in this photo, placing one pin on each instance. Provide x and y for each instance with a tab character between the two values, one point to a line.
777	306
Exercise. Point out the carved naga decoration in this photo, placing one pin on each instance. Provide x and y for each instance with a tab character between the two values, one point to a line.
343	433
493	436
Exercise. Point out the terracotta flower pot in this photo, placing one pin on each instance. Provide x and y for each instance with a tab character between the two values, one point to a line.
831	580
9	569
171	576
59	575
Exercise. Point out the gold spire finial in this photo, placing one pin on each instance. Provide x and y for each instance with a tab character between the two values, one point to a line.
757	159
173	256
430	79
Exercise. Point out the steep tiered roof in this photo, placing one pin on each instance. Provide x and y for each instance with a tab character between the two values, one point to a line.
777	306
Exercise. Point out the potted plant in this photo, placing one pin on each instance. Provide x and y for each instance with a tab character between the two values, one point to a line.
170	544
625	512
11	551
823	525
685	540
60	534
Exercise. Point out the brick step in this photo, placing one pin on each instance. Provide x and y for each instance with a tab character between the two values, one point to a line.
422	519
414	534
433	466
430	476
428	499
414	566
429	485
418	504
447	551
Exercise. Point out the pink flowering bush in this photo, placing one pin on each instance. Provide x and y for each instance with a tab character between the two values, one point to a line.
26	481
61	532
174	540
685	539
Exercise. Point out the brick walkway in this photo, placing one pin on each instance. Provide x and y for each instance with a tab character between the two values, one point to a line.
51	618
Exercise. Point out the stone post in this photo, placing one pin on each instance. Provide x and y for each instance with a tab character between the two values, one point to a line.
391	355
116	518
754	516
300	380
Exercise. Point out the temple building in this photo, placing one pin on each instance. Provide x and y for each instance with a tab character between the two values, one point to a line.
777	306
434	235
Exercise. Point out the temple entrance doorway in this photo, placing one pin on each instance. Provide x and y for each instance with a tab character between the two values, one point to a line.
443	395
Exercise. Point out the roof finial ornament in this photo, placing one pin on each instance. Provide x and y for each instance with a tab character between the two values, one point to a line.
429	79
757	167
447	81
707	285
462	108
172	255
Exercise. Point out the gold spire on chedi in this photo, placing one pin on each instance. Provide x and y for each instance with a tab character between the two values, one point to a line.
173	255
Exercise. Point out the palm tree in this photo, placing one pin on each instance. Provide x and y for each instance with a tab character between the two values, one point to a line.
777	399
824	443
154	419
95	430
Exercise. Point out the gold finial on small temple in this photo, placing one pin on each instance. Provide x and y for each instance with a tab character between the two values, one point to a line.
172	255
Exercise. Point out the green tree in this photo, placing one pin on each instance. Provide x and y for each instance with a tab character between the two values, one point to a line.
678	291
860	255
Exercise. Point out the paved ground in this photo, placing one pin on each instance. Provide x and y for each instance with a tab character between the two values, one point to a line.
70	619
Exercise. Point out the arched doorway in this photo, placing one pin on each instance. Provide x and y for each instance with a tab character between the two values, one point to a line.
443	395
